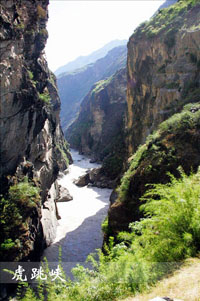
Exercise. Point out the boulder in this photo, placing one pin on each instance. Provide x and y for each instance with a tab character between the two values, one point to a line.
82	180
64	195
95	174
95	177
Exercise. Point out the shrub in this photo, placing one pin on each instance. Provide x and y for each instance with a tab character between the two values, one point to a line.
15	209
171	230
45	97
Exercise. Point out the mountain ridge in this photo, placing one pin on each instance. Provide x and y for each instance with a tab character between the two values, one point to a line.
73	87
82	61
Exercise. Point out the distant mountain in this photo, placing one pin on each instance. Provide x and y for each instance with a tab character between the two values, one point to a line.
167	3
74	86
91	58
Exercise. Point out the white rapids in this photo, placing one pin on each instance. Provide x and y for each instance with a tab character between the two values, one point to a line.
79	230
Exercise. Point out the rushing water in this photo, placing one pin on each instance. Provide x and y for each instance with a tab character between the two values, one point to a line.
79	231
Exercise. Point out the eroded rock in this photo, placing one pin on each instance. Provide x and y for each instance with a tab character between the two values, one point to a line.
64	195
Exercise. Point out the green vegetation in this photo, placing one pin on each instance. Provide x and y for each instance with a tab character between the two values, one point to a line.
15	209
100	85
45	97
166	21
157	244
30	73
62	152
125	182
163	152
31	76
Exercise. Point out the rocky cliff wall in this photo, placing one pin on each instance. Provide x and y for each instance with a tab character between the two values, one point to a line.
99	128
32	142
163	69
74	86
163	76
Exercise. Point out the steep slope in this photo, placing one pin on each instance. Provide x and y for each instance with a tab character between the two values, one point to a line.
89	59
98	130
163	75
73	87
163	68
33	148
175	143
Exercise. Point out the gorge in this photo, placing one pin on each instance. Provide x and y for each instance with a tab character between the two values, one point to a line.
79	231
136	113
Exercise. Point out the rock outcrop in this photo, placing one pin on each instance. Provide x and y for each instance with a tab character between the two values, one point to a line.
163	69
64	195
74	86
99	128
32	142
95	177
163	76
175	144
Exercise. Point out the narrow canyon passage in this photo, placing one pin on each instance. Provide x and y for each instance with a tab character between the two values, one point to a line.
79	231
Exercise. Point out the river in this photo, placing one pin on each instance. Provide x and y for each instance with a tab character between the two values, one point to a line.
79	230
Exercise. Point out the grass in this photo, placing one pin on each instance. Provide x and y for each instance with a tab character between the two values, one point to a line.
183	284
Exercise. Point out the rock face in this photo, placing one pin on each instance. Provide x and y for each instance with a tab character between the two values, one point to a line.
163	69
98	130
74	86
30	129
175	144
95	177
163	76
64	195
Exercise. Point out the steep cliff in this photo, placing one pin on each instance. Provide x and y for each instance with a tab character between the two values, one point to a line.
163	75
163	68
73	87
99	128
33	148
176	143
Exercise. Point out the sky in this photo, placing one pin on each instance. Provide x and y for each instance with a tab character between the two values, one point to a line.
78	28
